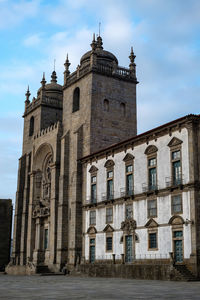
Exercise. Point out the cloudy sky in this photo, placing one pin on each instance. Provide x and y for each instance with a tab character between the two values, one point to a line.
166	40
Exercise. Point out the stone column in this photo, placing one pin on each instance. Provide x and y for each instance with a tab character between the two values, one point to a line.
53	215
18	212
62	232
75	198
31	225
25	213
37	250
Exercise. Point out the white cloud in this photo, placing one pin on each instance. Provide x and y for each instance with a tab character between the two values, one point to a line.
32	41
12	13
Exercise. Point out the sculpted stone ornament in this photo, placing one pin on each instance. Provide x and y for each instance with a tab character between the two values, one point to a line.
40	212
128	225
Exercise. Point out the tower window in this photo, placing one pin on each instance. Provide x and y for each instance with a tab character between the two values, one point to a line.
76	100
106	105
31	127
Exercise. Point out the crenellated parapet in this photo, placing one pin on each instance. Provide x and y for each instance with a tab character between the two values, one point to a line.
57	128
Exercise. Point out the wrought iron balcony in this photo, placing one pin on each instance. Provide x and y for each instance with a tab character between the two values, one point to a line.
149	188
124	192
174	181
91	200
107	196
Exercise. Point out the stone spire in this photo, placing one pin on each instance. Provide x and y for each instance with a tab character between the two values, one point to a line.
43	81
132	64
94	43
27	101
67	71
54	77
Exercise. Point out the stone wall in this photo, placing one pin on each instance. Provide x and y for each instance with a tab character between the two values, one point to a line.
5	231
146	271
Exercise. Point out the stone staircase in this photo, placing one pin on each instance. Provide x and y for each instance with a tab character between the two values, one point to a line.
43	270
185	273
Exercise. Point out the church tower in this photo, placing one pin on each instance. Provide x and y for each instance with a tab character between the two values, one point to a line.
42	117
95	108
99	109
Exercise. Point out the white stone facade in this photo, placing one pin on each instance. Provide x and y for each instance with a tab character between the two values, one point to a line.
139	201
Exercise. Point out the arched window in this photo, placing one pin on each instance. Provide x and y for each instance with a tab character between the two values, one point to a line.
123	109
76	100
106	105
31	126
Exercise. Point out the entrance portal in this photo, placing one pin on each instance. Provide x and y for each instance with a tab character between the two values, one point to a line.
129	249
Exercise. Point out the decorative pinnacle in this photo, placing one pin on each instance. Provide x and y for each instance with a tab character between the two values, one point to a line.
54	77
27	95
94	43
99	42
132	57
43	82
67	64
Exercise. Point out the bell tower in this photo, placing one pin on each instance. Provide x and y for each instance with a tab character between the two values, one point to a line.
99	109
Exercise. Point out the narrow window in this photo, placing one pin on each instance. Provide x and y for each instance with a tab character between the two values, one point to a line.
176	204
31	126
152	174
110	185
109	243
152	208
93	189
92	217
176	167
129	180
153	240
45	238
76	100
129	211
123	109
106	105
109	215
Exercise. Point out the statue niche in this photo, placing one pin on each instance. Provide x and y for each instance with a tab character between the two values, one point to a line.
43	189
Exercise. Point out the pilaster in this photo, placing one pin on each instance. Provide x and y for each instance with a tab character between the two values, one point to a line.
31	229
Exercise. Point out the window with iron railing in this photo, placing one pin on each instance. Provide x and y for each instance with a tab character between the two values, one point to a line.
129	180
93	189
110	185
176	167
152	177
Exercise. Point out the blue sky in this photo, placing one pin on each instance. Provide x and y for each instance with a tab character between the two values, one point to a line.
166	40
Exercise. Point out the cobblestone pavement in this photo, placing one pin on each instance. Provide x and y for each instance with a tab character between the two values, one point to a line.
65	287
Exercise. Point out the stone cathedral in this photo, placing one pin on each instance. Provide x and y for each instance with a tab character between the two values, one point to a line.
94	196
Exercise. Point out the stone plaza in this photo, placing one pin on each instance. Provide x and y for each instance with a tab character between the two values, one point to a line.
69	287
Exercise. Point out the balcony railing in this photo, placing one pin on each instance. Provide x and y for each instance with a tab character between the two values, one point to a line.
149	188
174	181
124	192
107	196
91	200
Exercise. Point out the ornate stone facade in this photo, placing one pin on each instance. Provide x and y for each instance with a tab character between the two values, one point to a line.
90	190
95	108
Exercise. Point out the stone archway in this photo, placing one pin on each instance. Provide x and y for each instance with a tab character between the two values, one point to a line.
41	210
